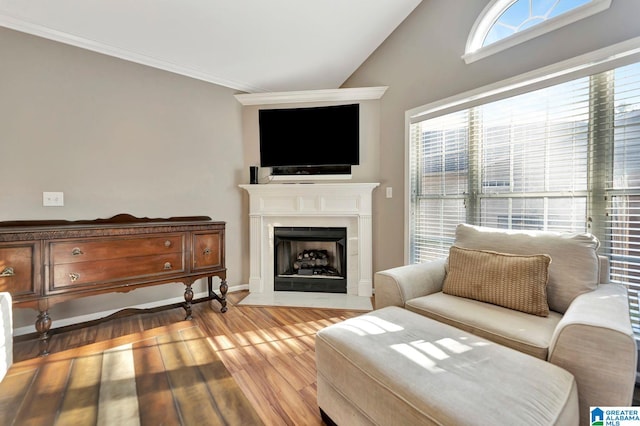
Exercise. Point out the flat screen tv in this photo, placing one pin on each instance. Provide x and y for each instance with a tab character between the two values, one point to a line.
314	138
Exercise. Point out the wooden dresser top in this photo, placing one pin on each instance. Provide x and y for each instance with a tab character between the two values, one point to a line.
122	224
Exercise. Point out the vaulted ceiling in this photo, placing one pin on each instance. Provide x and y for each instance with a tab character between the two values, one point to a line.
248	45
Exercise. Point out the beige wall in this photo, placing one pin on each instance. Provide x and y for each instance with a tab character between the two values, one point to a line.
421	63
116	137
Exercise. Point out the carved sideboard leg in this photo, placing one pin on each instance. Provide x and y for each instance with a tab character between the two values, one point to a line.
223	296
188	297
223	293
43	325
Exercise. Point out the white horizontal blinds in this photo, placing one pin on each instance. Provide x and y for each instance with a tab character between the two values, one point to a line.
436	222
533	159
565	157
439	183
623	185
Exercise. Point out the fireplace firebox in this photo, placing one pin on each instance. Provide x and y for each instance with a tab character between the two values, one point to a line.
310	259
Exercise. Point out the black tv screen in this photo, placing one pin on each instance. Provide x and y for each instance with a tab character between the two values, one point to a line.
315	136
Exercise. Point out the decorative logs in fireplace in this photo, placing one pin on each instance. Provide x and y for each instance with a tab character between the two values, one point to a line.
310	259
314	262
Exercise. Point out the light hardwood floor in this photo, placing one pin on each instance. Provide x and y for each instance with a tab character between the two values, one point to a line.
269	351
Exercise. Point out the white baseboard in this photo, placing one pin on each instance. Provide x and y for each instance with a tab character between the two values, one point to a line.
19	331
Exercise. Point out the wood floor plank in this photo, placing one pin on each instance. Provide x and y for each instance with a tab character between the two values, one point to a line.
257	398
233	405
309	341
237	359
84	337
265	318
308	395
289	372
42	401
283	397
155	399
80	402
20	383
191	394
118	400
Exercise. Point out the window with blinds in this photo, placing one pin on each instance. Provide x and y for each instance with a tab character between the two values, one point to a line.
564	158
621	123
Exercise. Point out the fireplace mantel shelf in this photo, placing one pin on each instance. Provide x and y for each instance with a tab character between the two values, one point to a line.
347	205
310	198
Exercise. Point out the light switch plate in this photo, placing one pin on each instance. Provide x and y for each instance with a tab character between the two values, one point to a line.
53	199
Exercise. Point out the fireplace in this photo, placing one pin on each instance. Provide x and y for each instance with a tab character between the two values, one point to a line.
319	205
310	259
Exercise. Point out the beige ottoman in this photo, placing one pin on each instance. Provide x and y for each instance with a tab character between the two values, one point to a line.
396	367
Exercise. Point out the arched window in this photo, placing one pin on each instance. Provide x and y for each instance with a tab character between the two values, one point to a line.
505	23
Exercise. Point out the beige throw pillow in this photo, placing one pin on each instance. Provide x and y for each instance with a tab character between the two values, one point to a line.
514	281
575	266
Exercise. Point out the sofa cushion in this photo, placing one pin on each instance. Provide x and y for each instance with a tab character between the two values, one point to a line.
526	333
514	281
574	268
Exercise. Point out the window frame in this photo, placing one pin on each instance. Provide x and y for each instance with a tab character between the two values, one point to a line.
474	50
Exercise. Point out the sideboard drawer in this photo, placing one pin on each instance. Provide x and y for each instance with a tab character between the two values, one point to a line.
19	273
81	274
207	250
109	248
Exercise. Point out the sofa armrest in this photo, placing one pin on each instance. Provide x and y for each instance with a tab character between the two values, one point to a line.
604	269
397	285
6	333
594	341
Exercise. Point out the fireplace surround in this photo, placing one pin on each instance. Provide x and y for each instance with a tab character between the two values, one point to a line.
330	205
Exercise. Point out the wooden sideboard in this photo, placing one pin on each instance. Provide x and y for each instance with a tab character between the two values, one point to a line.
47	262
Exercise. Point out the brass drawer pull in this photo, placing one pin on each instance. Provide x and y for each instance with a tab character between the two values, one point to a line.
206	251
167	266
7	272
167	243
76	252
74	276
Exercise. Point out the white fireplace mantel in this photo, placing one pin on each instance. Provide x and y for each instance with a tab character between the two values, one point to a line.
347	205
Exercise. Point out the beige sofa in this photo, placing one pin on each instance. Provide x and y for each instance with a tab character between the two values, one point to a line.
585	330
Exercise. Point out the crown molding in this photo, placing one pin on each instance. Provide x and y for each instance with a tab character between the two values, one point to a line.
18	24
322	95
